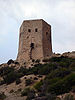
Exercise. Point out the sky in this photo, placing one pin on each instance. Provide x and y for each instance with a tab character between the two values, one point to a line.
60	14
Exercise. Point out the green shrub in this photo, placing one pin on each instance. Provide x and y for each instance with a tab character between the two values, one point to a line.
51	96
2	82
46	68
31	95
10	77
73	89
48	82
64	64
34	70
28	82
57	59
62	59
6	70
18	81
19	75
25	92
52	81
60	72
43	69
38	85
2	96
62	86
23	70
72	66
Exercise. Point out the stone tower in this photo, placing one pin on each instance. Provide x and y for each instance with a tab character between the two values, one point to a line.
34	40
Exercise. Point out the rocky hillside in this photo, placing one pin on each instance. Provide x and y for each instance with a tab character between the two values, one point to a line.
69	54
53	79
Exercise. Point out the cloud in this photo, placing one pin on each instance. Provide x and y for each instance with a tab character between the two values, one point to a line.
59	13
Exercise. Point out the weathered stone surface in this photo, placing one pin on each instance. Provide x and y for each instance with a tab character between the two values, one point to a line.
69	54
34	40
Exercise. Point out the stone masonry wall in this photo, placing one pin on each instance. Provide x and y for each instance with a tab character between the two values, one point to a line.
34	40
47	45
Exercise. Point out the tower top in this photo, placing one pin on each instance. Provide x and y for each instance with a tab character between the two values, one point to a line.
33	20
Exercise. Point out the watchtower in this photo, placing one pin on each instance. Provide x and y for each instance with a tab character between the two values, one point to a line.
34	40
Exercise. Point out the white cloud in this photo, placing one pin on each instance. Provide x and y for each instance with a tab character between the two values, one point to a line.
59	13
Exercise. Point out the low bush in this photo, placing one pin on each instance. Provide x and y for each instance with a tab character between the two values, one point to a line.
2	82
10	77
51	96
28	82
23	70
72	66
38	85
64	64
25	92
51	81
31	95
62	86
6	70
73	89
60	72
63	59
47	68
2	96
18	81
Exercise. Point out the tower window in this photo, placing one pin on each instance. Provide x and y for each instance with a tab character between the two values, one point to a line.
36	30
29	30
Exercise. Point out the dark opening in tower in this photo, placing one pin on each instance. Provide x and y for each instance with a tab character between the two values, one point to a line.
32	45
31	48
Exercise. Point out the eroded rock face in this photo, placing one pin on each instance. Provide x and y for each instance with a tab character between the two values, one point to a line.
11	63
34	40
4	65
